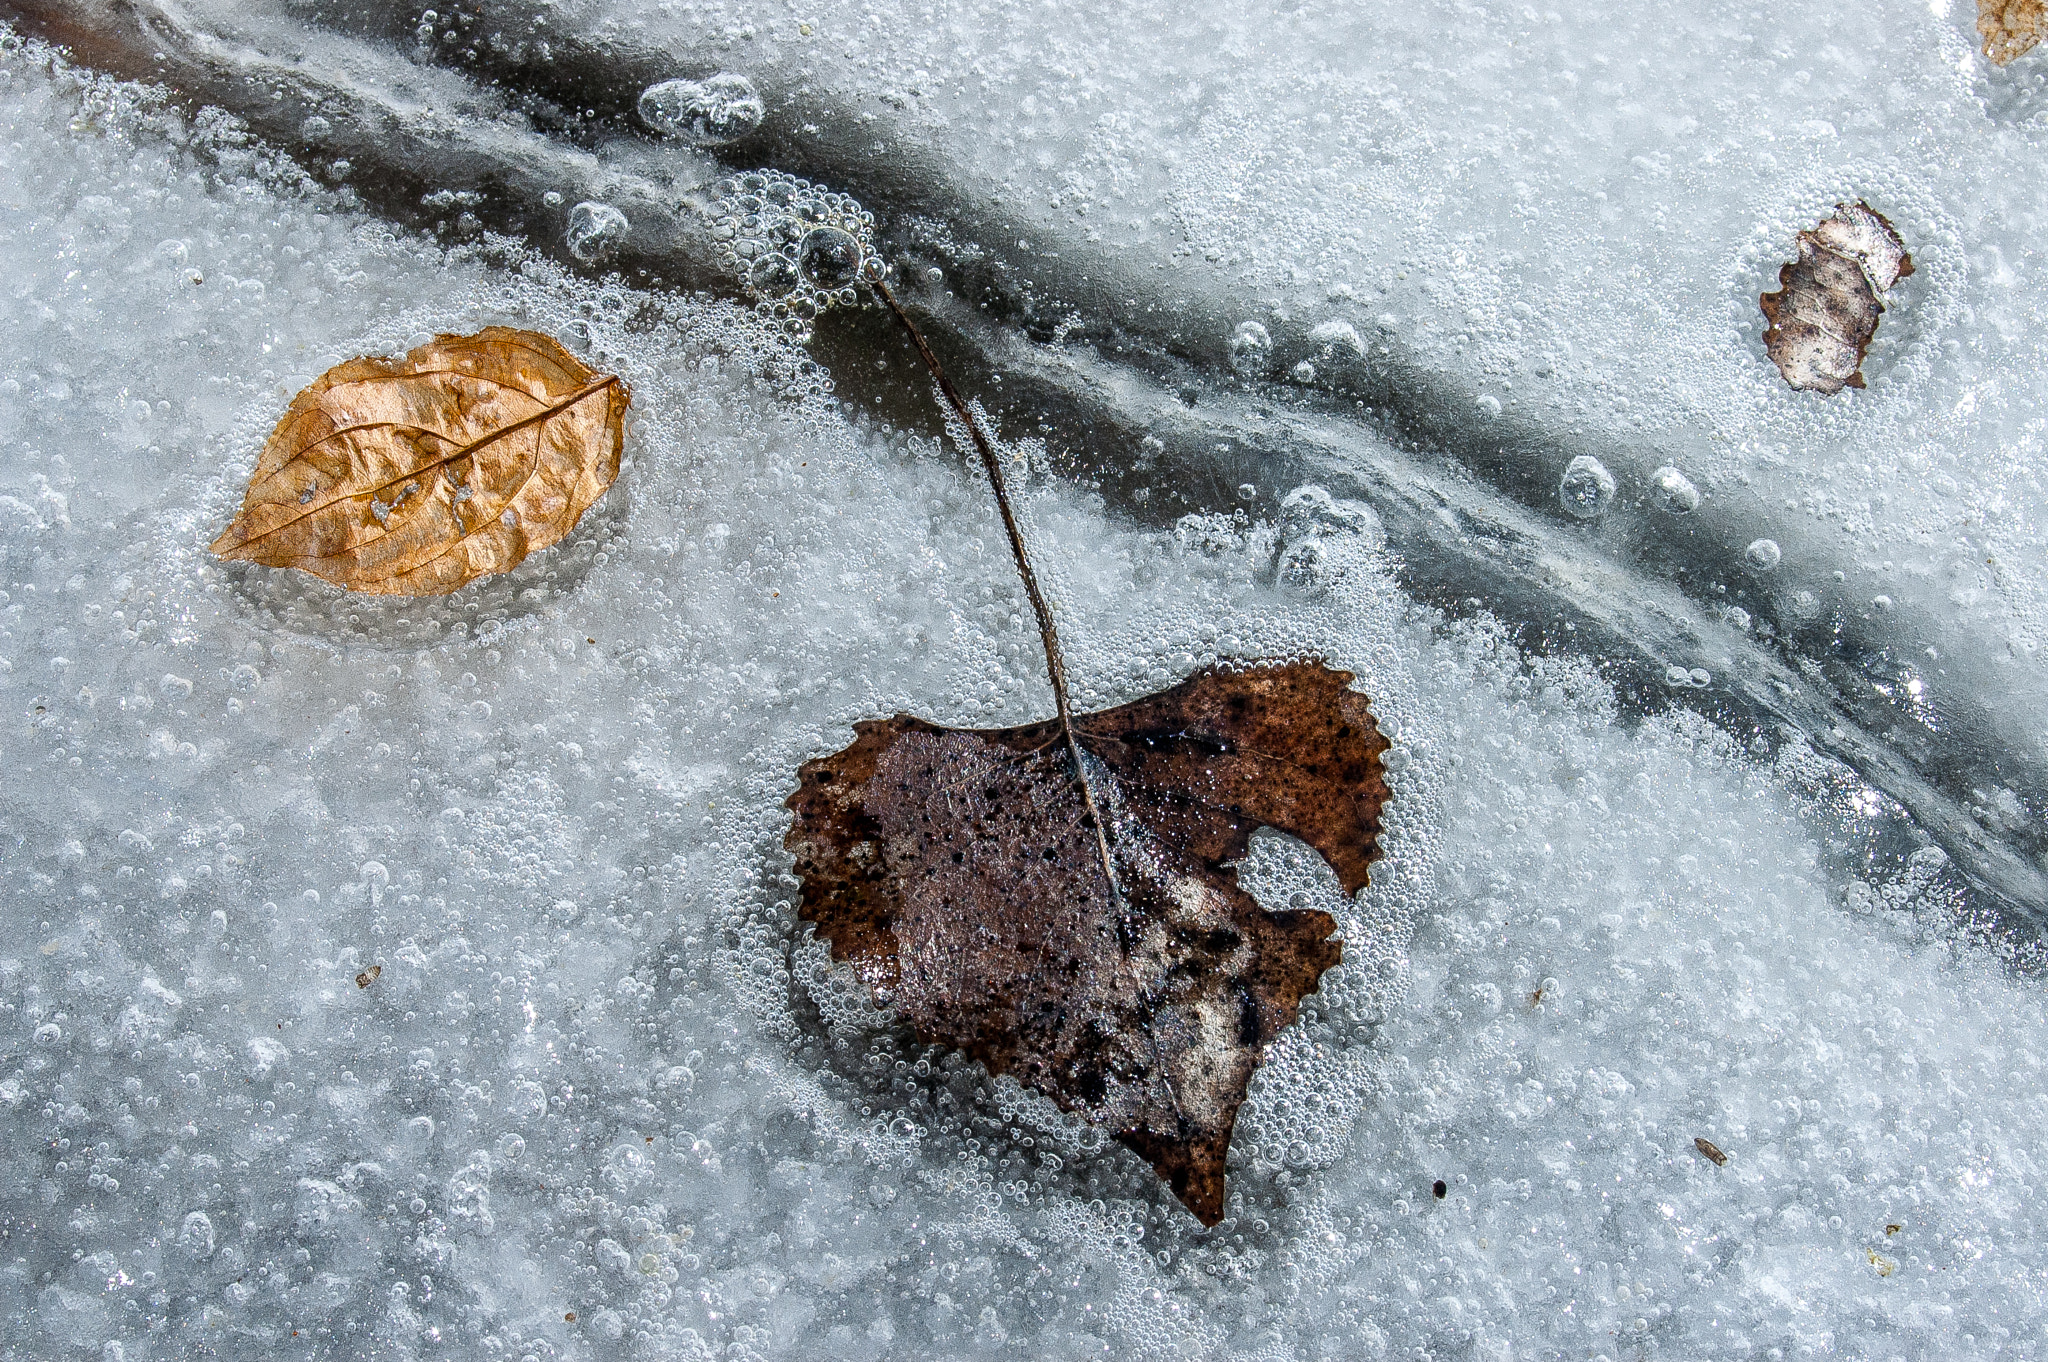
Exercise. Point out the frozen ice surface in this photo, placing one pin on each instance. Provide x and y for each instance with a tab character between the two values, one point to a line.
1564	215
601	1100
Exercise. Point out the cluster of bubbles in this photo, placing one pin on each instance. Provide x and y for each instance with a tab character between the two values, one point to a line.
596	231
1587	488
1251	348
799	247
706	113
1673	491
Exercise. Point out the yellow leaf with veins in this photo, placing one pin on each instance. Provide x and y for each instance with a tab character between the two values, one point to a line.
414	476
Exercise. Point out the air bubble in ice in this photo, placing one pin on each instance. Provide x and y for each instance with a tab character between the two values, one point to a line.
707	113
1762	554
1303	567
1803	605
829	258
1311	510
1304	372
1338	340
195	1234
596	231
1673	491
315	128
773	276
1251	348
1587	488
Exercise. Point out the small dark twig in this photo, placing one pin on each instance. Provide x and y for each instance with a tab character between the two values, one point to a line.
1055	662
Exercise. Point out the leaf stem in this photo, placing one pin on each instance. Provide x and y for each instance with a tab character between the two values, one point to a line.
1048	633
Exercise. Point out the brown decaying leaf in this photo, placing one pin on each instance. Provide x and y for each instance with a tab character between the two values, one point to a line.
369	976
1710	1149
2010	27
1826	308
414	476
957	869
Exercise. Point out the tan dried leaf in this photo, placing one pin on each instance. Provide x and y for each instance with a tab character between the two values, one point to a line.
412	477
1826	308
2010	27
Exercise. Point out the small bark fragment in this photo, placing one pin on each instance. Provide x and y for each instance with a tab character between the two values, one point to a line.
2010	28
1710	1149
958	870
412	477
1826	308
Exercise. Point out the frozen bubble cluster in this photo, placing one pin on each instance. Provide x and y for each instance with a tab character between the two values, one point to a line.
595	232
799	247
1763	554
1587	488
1673	492
1318	535
1251	349
706	113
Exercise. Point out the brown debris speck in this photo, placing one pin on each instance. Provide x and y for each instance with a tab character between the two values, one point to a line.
1710	1149
369	976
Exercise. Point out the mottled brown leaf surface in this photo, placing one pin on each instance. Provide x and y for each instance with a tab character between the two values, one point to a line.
2010	28
957	870
413	476
1826	308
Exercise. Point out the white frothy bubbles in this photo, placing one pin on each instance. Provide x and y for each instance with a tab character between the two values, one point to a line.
596	231
1587	488
799	247
1251	348
1762	554
1673	492
706	113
